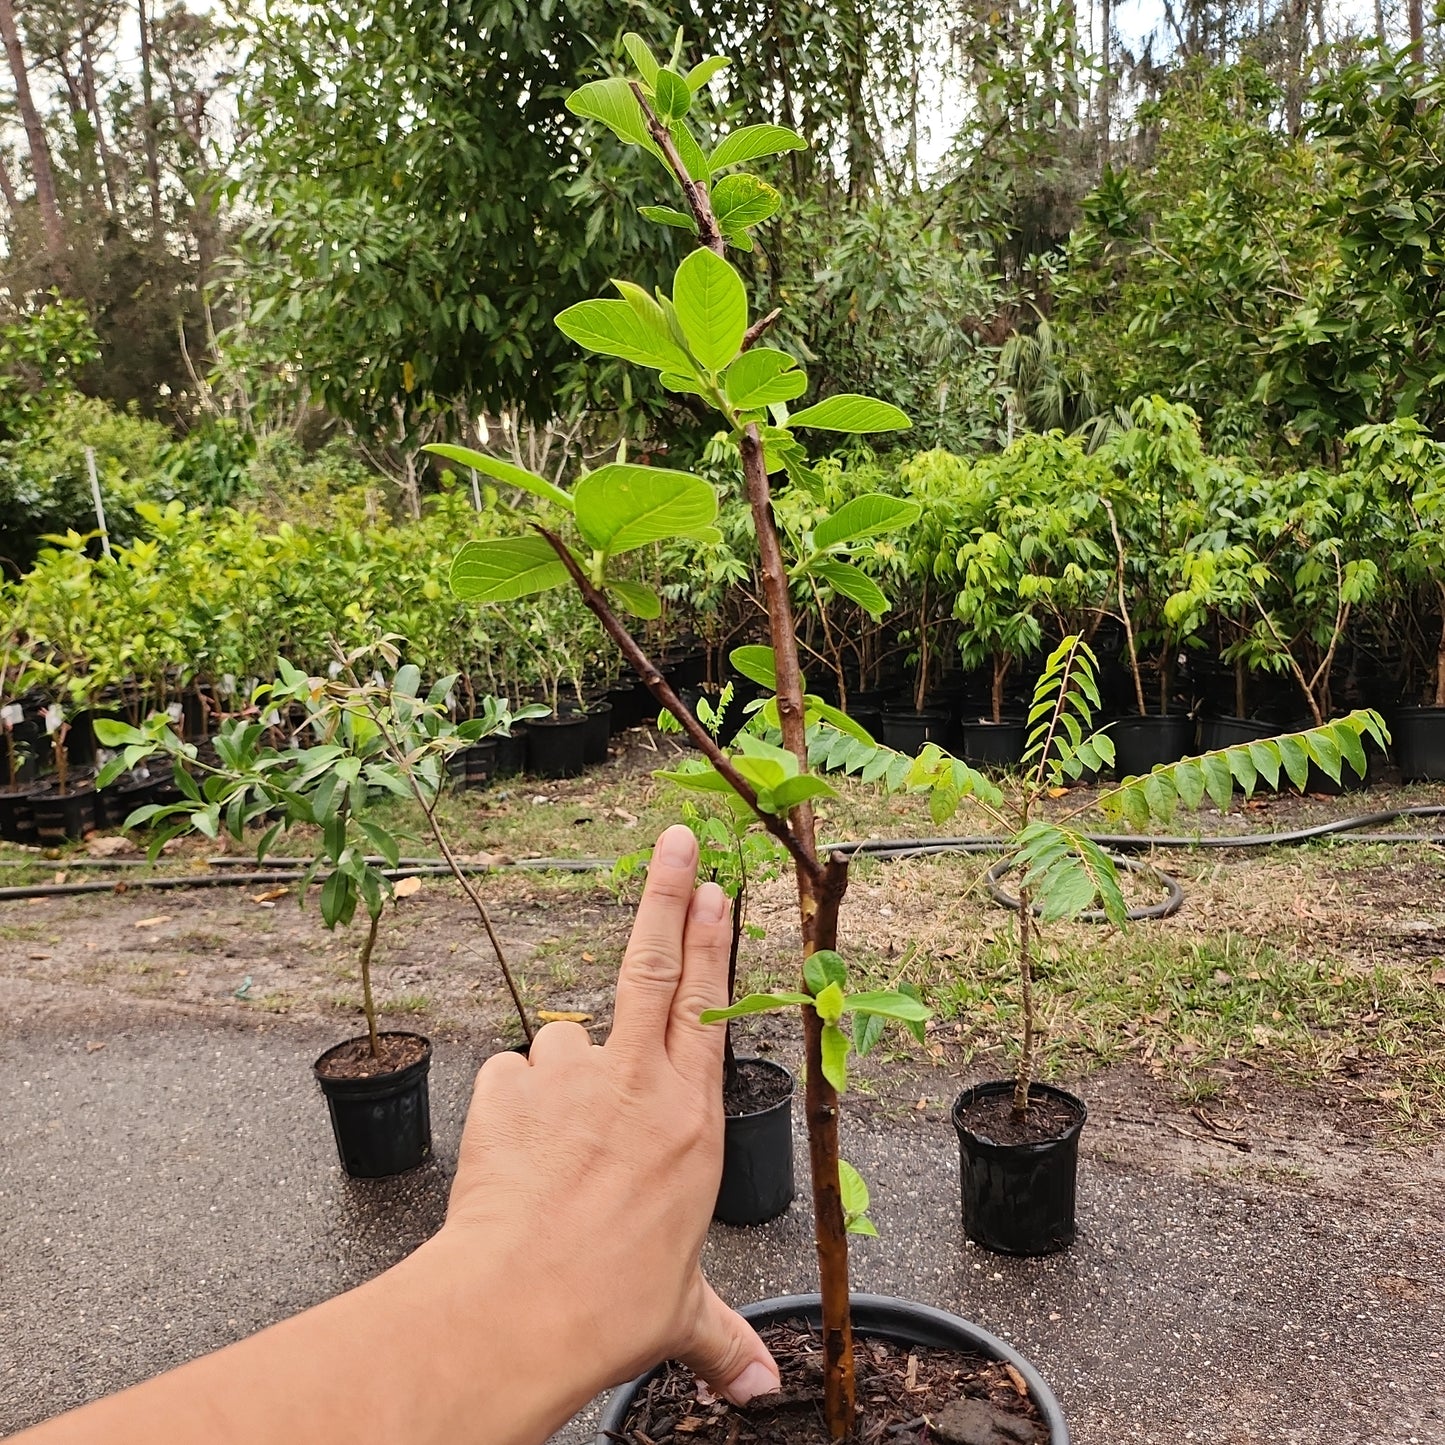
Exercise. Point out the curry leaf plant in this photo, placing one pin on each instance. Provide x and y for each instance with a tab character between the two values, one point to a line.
699	337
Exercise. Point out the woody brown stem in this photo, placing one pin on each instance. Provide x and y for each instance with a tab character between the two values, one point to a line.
657	685
820	893
759	329
697	201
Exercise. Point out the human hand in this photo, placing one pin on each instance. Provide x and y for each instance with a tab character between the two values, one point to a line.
594	1169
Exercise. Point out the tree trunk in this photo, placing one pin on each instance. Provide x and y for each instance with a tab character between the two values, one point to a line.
92	101
7	187
1416	14
1295	15
148	125
1106	82
45	195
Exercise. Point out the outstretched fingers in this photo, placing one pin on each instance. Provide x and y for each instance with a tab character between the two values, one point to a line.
652	968
694	1047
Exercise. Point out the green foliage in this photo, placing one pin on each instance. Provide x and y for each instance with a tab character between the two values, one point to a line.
1364	343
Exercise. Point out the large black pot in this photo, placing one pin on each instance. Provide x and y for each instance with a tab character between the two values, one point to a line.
17	822
757	1176
481	762
900	1321
557	745
1142	743
1018	1198
512	752
382	1124
995	744
63	817
599	730
1230	732
631	704
1418	734
907	732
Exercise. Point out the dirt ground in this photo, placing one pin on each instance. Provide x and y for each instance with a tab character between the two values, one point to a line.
1265	1073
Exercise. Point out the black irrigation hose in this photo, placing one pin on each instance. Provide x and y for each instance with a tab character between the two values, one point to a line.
226	872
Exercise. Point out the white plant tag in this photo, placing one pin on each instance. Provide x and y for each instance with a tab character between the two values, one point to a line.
227	685
12	714
174	712
53	719
333	669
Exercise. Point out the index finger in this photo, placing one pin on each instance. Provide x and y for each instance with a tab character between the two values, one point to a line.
652	965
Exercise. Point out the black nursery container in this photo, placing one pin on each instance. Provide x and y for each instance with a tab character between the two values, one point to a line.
382	1124
17	822
1230	732
909	731
757	1176
902	1322
1142	743
1018	1198
557	745
995	744
513	751
1418	734
599	731
63	817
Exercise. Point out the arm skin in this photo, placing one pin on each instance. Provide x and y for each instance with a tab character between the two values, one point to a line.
569	1260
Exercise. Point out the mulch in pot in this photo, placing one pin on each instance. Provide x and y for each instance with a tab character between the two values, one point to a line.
354	1059
907	1395
992	1117
754	1087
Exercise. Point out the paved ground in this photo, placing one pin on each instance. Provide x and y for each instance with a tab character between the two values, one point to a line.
177	1188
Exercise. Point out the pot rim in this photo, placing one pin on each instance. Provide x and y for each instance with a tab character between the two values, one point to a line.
785	1102
990	1087
885	1310
379	1081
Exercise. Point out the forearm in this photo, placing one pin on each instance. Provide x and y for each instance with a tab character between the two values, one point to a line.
433	1352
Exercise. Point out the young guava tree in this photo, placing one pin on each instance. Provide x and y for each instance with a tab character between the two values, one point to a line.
699	338
702	342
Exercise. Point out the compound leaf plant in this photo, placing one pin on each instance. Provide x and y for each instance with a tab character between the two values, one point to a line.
701	340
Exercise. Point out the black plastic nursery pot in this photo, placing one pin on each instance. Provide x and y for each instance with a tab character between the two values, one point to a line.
1018	1198
1142	743
1418	734
995	744
631	705
901	1322
17	822
599	731
480	761
557	745
63	817
382	1124
513	752
757	1176
1230	732
909	731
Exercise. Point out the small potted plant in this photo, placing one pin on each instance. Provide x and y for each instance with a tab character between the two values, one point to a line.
20	784
358	742
735	852
64	811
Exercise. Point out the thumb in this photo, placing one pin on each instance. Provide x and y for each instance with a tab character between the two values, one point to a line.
727	1353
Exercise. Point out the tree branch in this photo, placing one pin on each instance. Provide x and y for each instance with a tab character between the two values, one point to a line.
657	685
697	200
760	328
